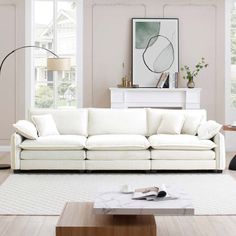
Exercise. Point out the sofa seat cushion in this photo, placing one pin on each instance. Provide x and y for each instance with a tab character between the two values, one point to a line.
55	142
182	155
53	155
119	155
117	142
180	142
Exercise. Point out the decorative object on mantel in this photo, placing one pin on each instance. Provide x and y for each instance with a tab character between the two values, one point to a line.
189	75
126	81
168	80
155	49
54	64
163	80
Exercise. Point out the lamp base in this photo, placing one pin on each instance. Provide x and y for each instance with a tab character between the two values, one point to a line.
232	165
5	166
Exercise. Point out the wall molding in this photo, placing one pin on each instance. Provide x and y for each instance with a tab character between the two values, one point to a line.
107	5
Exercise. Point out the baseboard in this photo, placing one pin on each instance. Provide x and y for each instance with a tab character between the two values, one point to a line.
5	149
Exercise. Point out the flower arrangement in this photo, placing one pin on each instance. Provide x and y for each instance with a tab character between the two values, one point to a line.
191	74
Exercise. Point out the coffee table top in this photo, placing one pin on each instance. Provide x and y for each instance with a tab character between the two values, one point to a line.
117	203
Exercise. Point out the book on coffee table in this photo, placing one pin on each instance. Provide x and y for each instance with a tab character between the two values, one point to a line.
152	193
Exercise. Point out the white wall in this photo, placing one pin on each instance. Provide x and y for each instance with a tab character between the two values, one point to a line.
107	43
12	77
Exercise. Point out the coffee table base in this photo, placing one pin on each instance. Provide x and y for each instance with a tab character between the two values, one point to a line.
78	219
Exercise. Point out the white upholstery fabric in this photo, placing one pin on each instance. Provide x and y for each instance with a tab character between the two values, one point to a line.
45	125
115	150
118	155
171	123
117	121
182	155
219	140
26	128
208	129
55	142
154	118
117	142
16	140
191	124
180	142
52	164
71	122
53	155
183	165
118	165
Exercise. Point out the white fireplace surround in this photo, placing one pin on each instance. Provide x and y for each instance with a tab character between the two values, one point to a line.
179	98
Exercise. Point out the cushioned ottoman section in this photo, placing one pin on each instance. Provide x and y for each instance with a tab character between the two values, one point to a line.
180	142
118	155
117	121
53	155
52	165
55	142
182	155
117	165
117	142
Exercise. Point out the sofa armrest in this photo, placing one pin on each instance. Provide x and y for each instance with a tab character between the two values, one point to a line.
219	140
16	140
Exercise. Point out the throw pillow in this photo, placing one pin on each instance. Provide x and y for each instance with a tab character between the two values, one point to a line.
208	129
171	124
191	124
26	129
45	125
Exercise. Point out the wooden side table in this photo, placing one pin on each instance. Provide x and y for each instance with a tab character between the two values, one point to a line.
232	164
79	219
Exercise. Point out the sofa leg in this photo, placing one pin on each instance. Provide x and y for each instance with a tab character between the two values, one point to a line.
218	171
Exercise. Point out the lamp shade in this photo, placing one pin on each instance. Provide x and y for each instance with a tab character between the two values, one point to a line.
58	64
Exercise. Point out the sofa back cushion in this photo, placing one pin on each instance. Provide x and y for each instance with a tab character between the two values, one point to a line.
117	121
193	119
73	122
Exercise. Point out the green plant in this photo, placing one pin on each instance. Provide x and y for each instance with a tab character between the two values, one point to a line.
190	74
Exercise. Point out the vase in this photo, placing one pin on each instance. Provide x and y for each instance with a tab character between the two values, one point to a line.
190	83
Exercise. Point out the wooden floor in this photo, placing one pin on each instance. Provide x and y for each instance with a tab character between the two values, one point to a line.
174	226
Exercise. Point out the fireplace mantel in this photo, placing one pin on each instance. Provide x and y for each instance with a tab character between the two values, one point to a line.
179	98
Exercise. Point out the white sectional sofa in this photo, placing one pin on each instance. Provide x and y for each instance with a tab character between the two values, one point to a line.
119	139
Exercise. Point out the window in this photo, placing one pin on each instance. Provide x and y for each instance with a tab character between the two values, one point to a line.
55	28
233	55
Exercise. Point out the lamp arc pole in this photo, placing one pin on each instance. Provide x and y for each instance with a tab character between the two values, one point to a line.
23	47
8	166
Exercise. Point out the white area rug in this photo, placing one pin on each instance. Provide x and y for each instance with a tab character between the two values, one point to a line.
46	194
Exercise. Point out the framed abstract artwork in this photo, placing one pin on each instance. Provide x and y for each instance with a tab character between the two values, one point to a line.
155	49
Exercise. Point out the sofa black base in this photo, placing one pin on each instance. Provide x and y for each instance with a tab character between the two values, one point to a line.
116	171
5	166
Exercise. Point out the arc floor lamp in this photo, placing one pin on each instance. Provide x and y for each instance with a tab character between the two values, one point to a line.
55	63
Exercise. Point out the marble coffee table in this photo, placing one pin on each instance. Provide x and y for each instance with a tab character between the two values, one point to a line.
117	203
